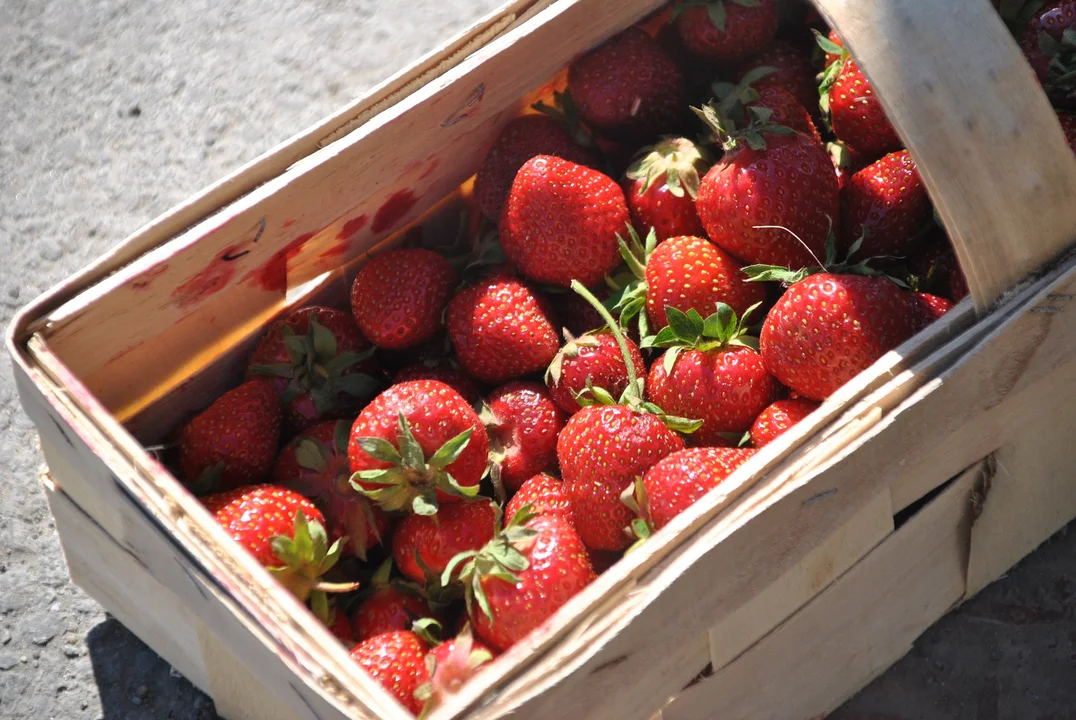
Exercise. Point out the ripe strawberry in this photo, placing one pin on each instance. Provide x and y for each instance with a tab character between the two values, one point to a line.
398	297
501	329
523	423
678	481
561	221
285	533
397	660
930	266
403	426
628	89
315	463
927	308
519	141
319	363
390	607
450	666
787	111
1053	55
575	314
593	360
456	379
522	576
845	162
457	527
660	187
887	205
793	72
854	112
712	370
232	442
779	417
726	31
545	495
340	626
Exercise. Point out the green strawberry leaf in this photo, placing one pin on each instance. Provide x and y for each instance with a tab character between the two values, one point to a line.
451	450
309	456
379	449
421	506
717	14
827	45
342	436
669	359
322	339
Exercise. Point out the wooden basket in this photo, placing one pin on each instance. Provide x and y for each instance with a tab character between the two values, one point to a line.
811	570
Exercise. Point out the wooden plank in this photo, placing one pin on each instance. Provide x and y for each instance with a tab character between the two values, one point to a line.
966	102
854	630
802	582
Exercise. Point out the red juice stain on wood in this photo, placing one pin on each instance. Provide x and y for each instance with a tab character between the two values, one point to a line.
429	170
351	227
392	210
211	279
147	277
288	223
334	251
273	275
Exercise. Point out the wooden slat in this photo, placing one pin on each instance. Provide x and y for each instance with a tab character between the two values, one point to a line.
982	133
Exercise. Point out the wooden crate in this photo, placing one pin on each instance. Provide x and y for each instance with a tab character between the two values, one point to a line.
806	574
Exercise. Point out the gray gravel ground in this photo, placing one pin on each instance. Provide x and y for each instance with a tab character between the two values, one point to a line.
110	113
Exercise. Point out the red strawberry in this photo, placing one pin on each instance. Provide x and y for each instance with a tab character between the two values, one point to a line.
450	666
457	527
519	141
660	187
398	297
711	371
677	482
316	464
887	205
389	608
793	72
787	111
930	266
523	423
855	113
561	221
397	660
727	31
458	380
779	417
285	533
522	576
1051	54
845	162
416	444
595	359
233	442
628	88
501	329
340	626
927	308
835	52
575	314
545	494
320	364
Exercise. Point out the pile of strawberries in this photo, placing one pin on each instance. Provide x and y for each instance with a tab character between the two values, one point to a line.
710	231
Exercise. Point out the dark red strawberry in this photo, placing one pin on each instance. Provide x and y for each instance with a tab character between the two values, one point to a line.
778	418
930	266
726	31
593	360
697	72
927	308
628	89
456	379
1050	46
545	494
340	626
561	221
575	314
316	465
319	363
457	527
399	297
521	139
711	371
502	329
1068	126
522	576
678	481
397	660
886	204
660	187
233	442
958	284
855	114
523	423
417	444
787	111
388	608
793	73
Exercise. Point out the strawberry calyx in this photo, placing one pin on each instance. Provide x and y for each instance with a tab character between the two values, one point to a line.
734	118
629	298
829	76
715	9
635	499
678	161
566	112
1061	71
455	670
689	331
787	276
306	556
412	481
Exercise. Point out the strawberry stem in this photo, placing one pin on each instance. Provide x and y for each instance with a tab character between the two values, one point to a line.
614	327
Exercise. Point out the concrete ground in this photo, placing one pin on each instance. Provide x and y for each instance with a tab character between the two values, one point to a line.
112	111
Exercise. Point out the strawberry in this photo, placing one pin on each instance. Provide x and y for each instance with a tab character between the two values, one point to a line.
1050	46
389	606
835	49
340	626
930	266
501	329
887	205
845	162
456	379
450	665
726	31
660	187
286	534
319	363
520	140
422	543
927	308
522	576
544	494
232	442
678	481
523	423
399	297
854	112
792	72
711	370
628	89
779	417
593	360
958	283
315	464
560	222
394	435
575	314
397	660
787	111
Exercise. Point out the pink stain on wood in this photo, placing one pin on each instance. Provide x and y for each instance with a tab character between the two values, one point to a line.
213	278
288	223
273	275
398	205
351	227
147	277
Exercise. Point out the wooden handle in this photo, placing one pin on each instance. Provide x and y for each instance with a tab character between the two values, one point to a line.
987	143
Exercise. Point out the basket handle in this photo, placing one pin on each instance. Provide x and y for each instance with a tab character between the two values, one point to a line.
987	143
